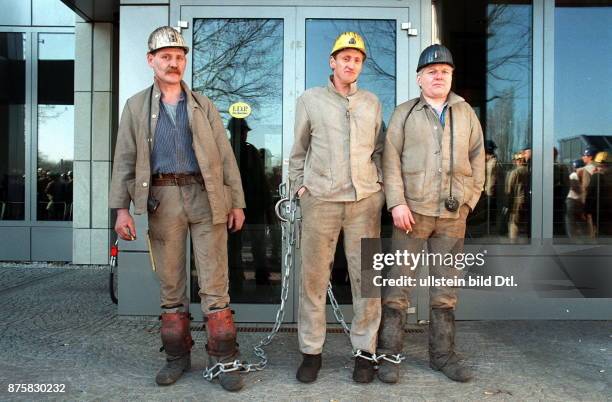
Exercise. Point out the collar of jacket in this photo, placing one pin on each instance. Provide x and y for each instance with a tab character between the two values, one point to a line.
332	88
451	100
192	104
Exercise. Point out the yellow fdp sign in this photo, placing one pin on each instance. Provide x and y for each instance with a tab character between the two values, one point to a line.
240	110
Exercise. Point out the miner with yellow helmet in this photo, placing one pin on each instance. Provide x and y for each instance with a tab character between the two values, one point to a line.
349	40
335	170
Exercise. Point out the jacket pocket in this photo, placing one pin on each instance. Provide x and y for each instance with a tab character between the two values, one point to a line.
414	185
318	177
468	188
319	170
227	196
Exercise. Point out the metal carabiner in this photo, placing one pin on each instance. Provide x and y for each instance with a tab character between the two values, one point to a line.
277	209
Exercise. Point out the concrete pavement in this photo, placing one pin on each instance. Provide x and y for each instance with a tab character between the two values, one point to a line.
59	326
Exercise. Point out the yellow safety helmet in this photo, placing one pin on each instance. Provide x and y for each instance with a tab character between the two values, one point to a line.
603	157
349	40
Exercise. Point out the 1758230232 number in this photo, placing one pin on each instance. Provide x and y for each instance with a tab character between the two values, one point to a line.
37	388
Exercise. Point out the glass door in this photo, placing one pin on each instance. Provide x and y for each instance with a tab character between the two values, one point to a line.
242	59
253	63
385	73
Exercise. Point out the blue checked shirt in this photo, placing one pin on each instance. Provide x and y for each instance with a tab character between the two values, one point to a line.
173	150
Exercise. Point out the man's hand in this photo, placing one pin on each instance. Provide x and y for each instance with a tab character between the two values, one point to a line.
124	226
402	218
301	191
235	219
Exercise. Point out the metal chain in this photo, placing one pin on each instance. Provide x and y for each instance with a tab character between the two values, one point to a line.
336	308
289	235
396	358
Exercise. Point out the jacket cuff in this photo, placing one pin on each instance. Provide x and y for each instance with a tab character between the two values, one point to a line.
394	201
122	204
295	185
473	201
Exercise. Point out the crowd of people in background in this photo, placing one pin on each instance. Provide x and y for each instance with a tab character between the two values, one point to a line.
582	196
54	196
588	212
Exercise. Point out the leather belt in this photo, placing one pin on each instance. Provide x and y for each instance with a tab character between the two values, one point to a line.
176	179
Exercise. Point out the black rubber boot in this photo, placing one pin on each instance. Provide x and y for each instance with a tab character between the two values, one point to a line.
309	369
390	341
364	369
442	356
173	369
177	342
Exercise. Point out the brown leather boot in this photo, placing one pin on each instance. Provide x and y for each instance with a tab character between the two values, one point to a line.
390	341
442	356
177	342
222	346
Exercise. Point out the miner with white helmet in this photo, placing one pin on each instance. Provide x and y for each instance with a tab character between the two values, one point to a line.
174	162
434	169
335	170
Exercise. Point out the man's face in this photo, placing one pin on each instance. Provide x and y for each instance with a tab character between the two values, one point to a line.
587	159
435	80
168	64
527	154
347	65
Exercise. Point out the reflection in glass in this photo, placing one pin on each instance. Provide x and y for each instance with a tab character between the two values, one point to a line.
241	60
583	121
55	127
12	126
377	76
491	44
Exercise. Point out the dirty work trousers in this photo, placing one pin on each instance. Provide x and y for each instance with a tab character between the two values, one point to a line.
441	236
322	222
184	209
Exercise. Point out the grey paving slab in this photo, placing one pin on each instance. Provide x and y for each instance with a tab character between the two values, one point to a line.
59	326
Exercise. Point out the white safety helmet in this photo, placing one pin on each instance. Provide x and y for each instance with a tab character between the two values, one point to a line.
166	37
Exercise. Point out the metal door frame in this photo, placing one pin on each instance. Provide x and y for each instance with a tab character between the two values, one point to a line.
20	237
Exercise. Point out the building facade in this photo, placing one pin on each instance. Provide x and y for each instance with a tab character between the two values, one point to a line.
536	72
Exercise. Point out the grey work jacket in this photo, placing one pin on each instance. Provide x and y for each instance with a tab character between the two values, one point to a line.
416	164
338	144
135	138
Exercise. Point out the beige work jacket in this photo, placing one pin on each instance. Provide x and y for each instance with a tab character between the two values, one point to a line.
338	144
131	177
416	159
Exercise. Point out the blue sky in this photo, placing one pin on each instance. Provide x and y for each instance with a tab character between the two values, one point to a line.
583	71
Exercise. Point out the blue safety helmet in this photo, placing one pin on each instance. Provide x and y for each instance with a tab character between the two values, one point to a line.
577	163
